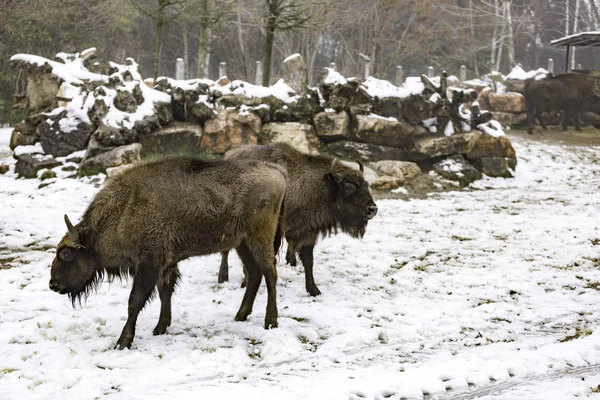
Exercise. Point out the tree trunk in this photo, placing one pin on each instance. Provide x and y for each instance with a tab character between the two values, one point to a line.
510	38
494	35
575	23
567	13
158	46
241	42
270	27
204	39
474	61
186	50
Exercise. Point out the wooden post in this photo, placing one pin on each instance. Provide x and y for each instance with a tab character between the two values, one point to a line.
332	66
463	73
551	66
430	72
367	68
568	59
399	75
258	75
222	69
179	69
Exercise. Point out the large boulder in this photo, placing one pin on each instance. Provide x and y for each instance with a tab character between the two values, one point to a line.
432	148
350	96
387	182
229	129
483	99
507	102
491	146
175	138
380	130
456	168
496	167
412	109
365	151
332	126
111	136
18	138
61	136
300	136
28	165
113	158
401	169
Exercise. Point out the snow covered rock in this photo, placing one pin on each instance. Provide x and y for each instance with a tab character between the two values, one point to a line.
456	168
175	138
380	130
490	146
300	136
61	136
507	102
113	158
365	151
229	129
296	73
28	165
332	126
401	169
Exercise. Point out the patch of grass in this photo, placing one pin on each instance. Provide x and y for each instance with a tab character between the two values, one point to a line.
7	371
461	238
579	332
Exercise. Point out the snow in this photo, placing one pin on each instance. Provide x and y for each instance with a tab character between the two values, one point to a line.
279	90
449	130
491	291
289	58
519	73
334	78
29	149
492	128
389	119
382	88
71	71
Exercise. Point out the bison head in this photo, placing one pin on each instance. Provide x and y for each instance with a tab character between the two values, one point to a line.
74	271
351	200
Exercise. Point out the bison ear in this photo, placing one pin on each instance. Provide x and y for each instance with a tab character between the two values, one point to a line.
73	234
334	172
361	167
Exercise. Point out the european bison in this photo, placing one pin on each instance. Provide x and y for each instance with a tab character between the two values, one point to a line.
155	214
572	93
323	196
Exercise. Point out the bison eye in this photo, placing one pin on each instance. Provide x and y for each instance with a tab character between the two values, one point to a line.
66	255
349	188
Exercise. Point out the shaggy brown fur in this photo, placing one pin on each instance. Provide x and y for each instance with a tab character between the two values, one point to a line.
153	215
323	197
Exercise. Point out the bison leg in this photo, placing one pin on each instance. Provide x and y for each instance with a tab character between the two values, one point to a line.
224	268
166	286
290	257
306	256
542	123
143	286
253	276
530	119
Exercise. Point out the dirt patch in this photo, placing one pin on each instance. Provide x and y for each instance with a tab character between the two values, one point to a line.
589	136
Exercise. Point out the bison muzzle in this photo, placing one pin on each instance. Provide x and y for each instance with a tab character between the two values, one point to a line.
155	214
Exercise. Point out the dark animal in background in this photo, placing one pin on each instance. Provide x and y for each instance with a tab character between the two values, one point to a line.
323	196
572	93
155	214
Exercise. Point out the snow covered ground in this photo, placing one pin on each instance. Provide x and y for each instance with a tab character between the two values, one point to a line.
491	293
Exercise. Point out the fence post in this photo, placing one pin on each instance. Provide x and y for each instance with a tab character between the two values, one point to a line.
367	68
258	75
551	66
579	66
222	69
463	73
179	69
332	66
430	72
399	75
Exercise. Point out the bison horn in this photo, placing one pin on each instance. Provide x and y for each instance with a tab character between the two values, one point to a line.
73	234
334	172
361	167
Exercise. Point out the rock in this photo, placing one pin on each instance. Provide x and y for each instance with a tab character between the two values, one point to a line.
491	146
412	109
387	182
301	136
296	73
60	137
4	169
507	102
28	165
69	168
112	158
47	174
18	138
484	99
456	168
332	126
431	148
350	96
301	110
380	130
508	119
111	136
95	147
175	138
493	166
41	91
126	101
114	171
515	85
229	129
401	169
365	151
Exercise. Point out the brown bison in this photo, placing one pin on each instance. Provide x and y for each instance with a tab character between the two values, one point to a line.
572	93
155	214
323	196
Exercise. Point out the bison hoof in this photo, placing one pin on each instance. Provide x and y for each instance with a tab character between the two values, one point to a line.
270	324
313	291
160	330
124	343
